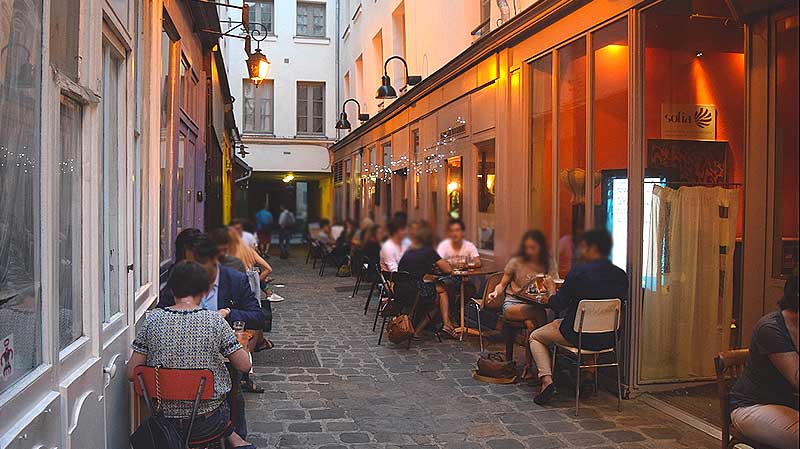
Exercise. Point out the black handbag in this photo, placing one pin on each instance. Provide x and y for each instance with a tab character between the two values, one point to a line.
156	432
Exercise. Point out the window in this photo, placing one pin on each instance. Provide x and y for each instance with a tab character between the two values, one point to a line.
113	133
487	179
785	250
386	176
571	151
542	143
69	266
167	77
311	19
182	84
455	190
258	107
486	14
417	167
310	108
64	34
262	12
20	96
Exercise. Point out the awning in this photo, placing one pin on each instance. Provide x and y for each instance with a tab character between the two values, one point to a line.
288	158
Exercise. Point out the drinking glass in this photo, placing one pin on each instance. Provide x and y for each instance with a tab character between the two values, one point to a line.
238	326
471	262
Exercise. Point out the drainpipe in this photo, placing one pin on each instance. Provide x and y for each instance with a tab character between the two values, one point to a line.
505	11
336	75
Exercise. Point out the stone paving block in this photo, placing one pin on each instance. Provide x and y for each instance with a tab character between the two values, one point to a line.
366	396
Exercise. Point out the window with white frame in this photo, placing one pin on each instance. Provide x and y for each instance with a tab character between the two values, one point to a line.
68	212
262	12
310	108
258	107
20	202
113	150
311	19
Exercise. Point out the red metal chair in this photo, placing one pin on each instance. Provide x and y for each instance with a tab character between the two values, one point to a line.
179	385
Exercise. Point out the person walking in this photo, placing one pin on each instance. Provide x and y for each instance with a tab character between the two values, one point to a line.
286	222
264	220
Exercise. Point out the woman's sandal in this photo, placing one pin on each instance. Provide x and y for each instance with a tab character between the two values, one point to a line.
264	345
450	331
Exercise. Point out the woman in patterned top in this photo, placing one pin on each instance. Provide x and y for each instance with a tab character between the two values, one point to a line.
186	336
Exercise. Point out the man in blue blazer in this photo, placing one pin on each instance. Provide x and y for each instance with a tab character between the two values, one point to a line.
230	295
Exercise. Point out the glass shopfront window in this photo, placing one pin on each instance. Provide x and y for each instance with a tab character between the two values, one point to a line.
542	143
694	85
787	219
386	178
487	180
20	220
571	151
610	135
455	185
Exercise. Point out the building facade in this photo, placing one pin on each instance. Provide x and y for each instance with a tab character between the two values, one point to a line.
286	122
106	108
664	116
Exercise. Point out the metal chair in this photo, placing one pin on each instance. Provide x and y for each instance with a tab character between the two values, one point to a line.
373	270
179	385
594	316
485	303
362	273
729	366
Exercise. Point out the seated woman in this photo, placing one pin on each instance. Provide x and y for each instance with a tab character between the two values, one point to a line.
420	260
186	336
764	399
532	258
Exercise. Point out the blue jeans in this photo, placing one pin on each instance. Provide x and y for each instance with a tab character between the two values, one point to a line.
205	426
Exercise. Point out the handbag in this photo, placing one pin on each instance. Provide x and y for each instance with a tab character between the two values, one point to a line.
156	432
400	329
494	368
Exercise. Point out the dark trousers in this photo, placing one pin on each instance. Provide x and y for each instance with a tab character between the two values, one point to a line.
236	405
284	237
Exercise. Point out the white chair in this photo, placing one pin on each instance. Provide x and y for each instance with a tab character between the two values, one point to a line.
594	317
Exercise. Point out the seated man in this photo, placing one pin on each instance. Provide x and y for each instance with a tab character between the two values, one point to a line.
596	278
455	245
764	399
393	248
230	296
325	236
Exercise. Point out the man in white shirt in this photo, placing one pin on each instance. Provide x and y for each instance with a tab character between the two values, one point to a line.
248	238
393	248
456	246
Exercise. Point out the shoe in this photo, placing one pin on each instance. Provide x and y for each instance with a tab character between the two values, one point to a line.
546	394
275	298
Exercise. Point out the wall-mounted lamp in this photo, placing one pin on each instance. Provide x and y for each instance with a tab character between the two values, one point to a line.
386	90
258	67
343	123
288	178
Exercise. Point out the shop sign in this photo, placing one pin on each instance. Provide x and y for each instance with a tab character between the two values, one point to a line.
688	121
7	357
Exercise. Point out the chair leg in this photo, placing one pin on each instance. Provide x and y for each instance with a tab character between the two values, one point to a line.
357	284
380	336
308	255
594	361
509	337
577	383
377	314
619	382
480	331
369	297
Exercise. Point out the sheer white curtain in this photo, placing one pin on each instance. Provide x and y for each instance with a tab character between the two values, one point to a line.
688	281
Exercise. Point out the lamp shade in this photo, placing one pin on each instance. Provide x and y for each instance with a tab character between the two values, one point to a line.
343	123
258	67
386	90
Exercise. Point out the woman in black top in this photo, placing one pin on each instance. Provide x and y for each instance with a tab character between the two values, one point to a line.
764	400
421	259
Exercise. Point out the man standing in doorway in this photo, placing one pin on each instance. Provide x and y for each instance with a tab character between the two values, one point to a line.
264	221
286	222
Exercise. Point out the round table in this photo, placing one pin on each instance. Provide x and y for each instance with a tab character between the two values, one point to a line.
463	275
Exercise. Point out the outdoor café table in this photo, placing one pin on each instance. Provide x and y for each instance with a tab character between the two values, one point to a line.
463	275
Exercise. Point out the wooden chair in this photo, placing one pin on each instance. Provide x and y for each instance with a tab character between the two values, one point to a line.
729	366
179	385
595	316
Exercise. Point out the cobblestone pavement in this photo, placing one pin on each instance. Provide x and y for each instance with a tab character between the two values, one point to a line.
369	396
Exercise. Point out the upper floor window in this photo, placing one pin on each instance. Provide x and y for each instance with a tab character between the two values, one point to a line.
310	108
311	19
258	107
263	12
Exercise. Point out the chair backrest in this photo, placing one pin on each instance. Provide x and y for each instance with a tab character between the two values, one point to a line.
175	384
729	366
596	316
491	283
